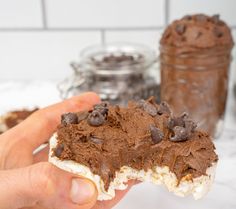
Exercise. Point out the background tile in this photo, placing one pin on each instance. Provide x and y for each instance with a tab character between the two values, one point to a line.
105	13
149	38
41	55
226	8
74	24
20	13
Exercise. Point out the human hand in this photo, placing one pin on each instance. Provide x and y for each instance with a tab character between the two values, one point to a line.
27	180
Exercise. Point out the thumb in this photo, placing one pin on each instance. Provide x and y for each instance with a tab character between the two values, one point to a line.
45	185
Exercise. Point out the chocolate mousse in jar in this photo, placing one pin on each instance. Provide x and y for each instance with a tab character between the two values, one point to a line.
195	56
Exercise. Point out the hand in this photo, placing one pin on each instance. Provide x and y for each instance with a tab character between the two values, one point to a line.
27	180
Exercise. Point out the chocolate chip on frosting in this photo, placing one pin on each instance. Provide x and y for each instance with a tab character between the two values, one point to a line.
147	107
69	118
180	29
180	134
182	127
190	125
102	108
95	118
215	18
164	108
156	134
59	149
150	108
177	121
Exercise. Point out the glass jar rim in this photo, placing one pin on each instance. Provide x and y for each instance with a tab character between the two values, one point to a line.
148	54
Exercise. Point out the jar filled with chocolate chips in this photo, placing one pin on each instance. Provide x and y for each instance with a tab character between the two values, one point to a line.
117	72
195	57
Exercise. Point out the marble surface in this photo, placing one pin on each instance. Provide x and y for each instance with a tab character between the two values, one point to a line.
223	193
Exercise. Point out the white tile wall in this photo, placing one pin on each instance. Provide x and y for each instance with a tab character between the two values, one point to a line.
20	13
226	8
105	13
38	38
150	38
41	55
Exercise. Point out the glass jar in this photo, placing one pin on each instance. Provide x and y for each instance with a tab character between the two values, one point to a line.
117	72
197	82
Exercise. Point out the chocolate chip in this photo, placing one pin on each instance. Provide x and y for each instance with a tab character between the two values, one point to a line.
180	29
187	17
180	134
215	18
177	121
82	116
156	134
150	109
171	123
217	32
164	108
96	140
59	149
190	126
182	127
201	18
95	118
102	108
69	118
140	103
147	107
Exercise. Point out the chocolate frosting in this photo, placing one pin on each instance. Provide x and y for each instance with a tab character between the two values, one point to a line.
197	32
15	117
125	139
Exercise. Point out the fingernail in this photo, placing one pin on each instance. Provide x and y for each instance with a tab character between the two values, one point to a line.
82	191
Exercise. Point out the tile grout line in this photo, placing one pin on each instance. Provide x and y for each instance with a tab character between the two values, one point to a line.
80	29
167	12
103	30
103	36
44	14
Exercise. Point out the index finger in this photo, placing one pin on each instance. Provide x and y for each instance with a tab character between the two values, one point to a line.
39	126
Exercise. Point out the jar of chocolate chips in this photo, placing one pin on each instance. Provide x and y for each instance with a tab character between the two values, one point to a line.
117	72
195	56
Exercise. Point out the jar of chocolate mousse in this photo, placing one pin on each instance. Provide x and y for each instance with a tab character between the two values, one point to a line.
195	56
117	72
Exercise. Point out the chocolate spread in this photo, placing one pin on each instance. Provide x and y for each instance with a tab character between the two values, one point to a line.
15	117
141	136
195	59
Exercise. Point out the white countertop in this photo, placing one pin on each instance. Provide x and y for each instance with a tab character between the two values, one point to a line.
223	193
